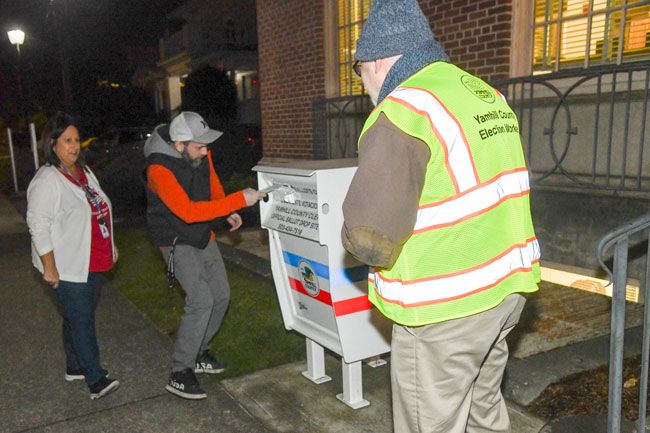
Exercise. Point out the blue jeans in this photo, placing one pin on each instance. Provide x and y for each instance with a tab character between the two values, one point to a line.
78	302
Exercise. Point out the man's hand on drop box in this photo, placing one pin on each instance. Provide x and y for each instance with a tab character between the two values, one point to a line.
252	196
235	221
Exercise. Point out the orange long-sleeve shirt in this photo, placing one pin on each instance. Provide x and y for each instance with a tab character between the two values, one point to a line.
164	184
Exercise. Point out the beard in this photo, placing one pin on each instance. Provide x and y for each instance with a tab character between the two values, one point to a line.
193	162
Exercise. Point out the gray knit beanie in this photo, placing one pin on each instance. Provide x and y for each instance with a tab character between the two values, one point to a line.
393	27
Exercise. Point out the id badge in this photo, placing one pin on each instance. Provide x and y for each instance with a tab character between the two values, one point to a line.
104	229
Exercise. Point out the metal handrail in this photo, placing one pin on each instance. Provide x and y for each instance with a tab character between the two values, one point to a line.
619	239
618	234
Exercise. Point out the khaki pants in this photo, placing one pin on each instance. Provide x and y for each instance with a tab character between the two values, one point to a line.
446	377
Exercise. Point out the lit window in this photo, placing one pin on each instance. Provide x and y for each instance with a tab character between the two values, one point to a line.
246	82
583	33
351	14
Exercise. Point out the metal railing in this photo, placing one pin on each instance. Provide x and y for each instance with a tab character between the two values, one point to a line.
620	240
585	129
337	125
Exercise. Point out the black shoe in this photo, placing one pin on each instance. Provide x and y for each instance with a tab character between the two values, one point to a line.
184	384
77	374
103	387
74	374
206	363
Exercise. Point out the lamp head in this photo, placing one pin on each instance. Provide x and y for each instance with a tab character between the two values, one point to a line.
16	37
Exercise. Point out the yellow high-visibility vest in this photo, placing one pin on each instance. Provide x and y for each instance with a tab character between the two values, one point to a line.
473	242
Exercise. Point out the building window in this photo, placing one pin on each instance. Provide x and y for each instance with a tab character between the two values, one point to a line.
583	33
247	85
351	14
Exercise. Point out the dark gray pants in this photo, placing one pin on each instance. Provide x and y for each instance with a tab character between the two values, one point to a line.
202	275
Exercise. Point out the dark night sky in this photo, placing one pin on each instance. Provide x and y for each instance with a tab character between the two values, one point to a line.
95	32
111	23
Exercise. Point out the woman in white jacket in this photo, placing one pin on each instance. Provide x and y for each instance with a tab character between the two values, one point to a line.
69	219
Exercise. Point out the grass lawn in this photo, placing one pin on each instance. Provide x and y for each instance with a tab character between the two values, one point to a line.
252	336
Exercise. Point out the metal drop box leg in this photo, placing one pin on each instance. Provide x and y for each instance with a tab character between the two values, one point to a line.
376	361
315	363
352	385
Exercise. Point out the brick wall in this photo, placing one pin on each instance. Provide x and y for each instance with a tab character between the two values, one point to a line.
475	33
291	42
292	73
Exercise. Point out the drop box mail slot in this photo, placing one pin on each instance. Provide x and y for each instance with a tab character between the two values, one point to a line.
321	288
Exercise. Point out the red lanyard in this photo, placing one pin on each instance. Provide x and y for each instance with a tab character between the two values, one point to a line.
93	198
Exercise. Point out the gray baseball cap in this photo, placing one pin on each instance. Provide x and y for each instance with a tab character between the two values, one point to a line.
190	126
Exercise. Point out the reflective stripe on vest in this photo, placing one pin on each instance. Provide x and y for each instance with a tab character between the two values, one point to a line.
473	202
443	288
447	129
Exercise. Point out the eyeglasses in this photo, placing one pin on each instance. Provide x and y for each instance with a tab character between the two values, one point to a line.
356	67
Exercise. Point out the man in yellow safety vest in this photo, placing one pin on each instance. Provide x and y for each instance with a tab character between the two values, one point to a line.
439	208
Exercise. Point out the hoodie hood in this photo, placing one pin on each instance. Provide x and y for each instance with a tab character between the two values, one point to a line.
158	142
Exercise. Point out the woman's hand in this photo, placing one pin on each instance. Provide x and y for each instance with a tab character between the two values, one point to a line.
235	221
50	273
51	277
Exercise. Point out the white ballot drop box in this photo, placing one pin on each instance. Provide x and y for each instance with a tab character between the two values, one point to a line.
321	288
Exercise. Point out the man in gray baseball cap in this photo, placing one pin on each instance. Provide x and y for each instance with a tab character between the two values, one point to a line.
191	135
189	126
184	197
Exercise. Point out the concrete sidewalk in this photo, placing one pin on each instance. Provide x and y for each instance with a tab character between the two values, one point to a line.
562	332
35	397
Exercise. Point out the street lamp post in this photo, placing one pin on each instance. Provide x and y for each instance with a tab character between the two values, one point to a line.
17	38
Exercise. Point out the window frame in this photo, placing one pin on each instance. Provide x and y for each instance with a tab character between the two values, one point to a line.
522	30
557	24
332	51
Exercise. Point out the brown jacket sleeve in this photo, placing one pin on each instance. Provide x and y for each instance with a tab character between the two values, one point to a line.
381	206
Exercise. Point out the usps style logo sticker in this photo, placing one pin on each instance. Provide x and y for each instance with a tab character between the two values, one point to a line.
309	279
